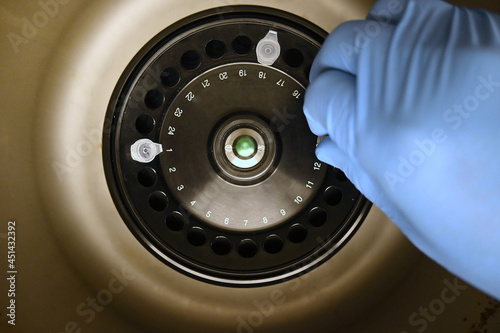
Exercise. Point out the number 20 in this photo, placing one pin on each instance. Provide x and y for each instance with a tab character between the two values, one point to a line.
223	76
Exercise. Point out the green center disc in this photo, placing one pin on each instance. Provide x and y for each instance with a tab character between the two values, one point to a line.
245	146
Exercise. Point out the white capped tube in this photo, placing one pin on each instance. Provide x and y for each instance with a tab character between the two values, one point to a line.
268	49
145	150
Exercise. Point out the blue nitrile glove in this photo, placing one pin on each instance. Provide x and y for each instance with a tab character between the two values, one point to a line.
410	99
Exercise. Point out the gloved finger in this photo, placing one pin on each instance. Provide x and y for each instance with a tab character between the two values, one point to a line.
343	47
329	152
387	11
330	104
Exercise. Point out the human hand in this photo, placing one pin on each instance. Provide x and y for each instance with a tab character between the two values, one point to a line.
410	99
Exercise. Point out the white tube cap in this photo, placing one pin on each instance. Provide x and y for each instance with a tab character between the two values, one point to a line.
268	49
145	150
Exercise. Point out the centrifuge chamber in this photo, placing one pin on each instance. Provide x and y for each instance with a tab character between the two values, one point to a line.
79	267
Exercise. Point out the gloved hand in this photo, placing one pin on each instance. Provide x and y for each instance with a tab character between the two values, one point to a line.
410	99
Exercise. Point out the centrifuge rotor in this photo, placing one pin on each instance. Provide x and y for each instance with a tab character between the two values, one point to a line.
208	155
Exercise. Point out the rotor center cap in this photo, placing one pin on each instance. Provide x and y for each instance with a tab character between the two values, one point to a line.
245	148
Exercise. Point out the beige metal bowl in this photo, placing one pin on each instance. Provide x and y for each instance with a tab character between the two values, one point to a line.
80	269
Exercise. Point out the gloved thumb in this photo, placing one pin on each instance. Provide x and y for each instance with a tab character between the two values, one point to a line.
328	152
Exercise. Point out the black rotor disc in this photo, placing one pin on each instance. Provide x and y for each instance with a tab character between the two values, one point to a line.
237	196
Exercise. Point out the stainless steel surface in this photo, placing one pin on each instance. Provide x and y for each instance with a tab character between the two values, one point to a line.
79	267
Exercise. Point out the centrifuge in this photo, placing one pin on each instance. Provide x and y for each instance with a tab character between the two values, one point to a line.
158	174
